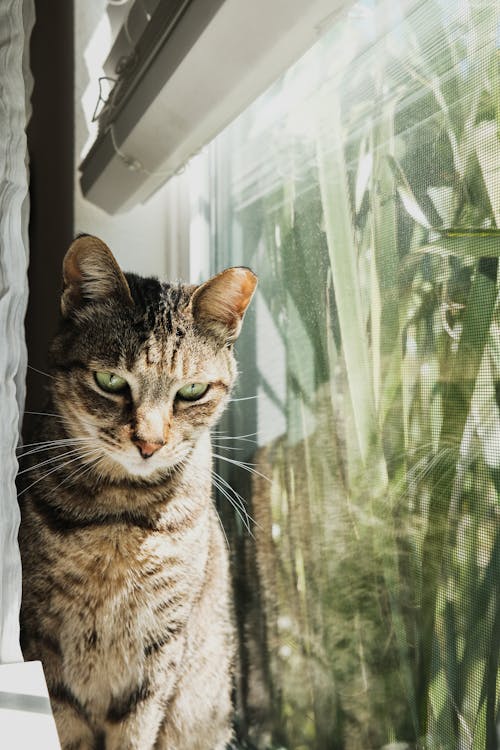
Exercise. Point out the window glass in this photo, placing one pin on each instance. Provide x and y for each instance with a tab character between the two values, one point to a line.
360	492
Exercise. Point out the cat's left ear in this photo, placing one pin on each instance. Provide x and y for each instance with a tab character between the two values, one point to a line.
220	303
91	274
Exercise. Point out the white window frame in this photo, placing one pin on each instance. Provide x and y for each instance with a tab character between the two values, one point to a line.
243	48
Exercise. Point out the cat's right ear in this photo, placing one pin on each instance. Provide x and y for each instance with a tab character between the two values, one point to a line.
91	274
220	303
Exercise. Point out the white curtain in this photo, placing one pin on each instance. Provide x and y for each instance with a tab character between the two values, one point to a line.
16	21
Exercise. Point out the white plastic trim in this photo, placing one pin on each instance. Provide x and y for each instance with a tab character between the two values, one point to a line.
26	721
16	21
244	48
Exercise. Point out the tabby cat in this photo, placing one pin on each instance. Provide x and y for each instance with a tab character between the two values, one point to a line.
125	572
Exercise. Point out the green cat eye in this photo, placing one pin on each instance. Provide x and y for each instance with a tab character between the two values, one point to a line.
110	382
192	391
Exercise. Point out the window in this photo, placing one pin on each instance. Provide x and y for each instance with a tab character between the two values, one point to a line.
364	189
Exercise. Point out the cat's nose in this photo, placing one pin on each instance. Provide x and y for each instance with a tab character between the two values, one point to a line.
145	448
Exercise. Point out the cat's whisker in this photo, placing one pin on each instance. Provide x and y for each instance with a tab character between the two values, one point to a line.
416	476
226	447
240	499
47	442
244	398
54	445
56	468
40	372
228	546
430	463
223	435
238	510
93	465
43	414
237	498
80	472
222	529
89	466
243	465
423	448
228	438
50	460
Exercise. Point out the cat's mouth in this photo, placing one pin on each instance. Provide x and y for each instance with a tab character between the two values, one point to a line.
136	464
120	457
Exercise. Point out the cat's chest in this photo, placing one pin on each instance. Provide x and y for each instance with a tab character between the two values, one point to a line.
119	570
132	589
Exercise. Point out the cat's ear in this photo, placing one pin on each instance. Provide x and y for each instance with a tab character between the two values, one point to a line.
220	303
91	274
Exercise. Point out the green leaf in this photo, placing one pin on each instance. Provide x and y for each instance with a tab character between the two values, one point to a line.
406	194
343	258
467	244
458	378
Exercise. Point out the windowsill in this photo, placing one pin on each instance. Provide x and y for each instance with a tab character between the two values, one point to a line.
26	720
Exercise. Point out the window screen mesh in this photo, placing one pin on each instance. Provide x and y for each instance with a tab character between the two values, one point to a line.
364	190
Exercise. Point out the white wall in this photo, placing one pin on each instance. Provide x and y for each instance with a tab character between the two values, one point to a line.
151	239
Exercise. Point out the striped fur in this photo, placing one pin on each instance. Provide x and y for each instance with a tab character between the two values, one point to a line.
126	591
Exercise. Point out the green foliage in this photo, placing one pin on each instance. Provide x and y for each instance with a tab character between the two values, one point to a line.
377	554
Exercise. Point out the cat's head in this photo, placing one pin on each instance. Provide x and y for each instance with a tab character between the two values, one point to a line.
141	369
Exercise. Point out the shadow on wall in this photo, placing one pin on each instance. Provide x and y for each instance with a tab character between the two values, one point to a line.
50	146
